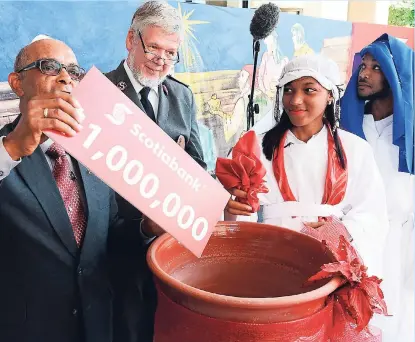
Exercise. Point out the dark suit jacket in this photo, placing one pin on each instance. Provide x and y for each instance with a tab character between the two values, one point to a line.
50	290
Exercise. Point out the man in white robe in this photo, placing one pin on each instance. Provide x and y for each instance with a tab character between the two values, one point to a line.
381	111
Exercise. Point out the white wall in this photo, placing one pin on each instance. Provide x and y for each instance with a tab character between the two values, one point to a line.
382	12
375	12
336	10
329	9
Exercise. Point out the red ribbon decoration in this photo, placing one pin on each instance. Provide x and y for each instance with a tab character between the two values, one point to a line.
245	170
361	296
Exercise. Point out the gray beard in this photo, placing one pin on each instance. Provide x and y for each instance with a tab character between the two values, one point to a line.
144	81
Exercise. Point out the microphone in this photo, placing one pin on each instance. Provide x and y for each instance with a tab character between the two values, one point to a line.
264	21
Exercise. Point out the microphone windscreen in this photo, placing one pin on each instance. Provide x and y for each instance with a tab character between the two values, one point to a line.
264	21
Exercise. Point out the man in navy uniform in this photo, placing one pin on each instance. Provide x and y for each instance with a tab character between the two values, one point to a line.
152	42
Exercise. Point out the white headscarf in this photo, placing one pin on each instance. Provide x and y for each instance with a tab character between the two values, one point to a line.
324	70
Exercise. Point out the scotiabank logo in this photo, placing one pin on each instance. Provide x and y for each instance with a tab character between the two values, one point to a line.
119	113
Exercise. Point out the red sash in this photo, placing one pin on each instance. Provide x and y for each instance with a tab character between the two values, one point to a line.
336	176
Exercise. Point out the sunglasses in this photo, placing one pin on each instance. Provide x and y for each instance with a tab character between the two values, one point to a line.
52	67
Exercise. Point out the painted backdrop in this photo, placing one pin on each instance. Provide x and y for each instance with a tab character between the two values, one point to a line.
217	60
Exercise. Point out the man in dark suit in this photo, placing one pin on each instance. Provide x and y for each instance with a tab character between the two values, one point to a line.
58	222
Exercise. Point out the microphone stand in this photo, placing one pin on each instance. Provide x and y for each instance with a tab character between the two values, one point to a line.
251	108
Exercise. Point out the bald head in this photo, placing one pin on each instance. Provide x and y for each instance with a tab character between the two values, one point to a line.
33	82
44	48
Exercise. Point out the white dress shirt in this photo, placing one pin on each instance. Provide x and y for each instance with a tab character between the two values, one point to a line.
153	95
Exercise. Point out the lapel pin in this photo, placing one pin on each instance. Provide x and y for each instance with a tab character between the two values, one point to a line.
122	85
165	90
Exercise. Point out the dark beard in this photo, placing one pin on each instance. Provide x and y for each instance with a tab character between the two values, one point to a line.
384	93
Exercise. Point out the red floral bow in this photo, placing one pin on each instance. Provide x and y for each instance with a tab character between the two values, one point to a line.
360	297
245	170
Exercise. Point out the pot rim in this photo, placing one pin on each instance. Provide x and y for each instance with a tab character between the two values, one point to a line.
241	302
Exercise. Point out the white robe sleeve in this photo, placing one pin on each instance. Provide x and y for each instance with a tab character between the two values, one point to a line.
251	218
6	162
367	220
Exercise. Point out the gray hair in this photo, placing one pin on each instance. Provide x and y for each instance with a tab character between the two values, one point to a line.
21	59
157	13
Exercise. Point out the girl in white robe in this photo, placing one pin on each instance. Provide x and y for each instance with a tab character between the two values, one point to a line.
325	171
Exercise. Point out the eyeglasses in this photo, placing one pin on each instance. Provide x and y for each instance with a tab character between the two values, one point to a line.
151	53
52	67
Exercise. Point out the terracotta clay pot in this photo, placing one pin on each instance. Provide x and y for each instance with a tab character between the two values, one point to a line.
249	272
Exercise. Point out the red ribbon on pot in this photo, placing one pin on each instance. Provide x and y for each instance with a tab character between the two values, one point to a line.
245	170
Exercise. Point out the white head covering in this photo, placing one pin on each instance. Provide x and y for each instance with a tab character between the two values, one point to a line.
40	37
324	70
